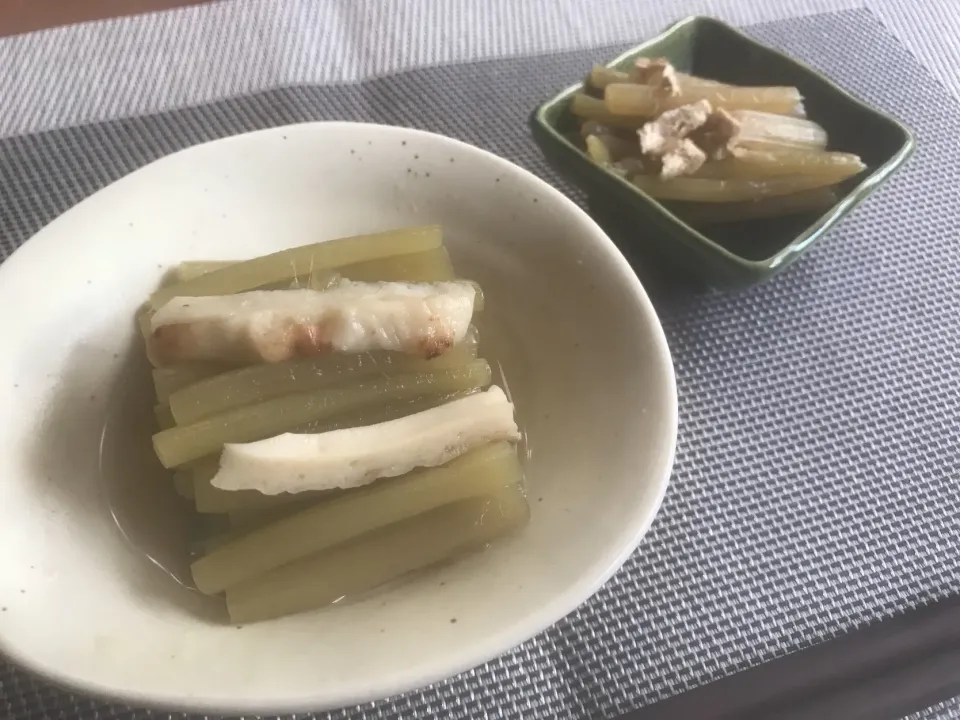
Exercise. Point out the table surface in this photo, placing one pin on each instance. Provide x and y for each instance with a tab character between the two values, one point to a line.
219	67
22	16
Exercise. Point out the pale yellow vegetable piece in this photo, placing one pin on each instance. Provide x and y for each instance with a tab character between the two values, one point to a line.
184	444
377	557
706	190
257	383
601	76
428	266
168	380
211	500
350	514
590	108
629	99
759	164
192	269
769	131
806	201
285	264
597	150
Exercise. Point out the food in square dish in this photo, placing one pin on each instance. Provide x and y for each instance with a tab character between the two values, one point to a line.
711	151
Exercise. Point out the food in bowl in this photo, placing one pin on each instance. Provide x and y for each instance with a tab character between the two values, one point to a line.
712	152
325	410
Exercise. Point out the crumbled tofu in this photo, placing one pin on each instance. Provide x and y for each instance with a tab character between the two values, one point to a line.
665	140
673	125
658	73
717	135
685	158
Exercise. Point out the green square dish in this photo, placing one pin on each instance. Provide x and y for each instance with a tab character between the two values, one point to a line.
738	254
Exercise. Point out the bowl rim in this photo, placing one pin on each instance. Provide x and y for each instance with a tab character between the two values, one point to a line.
805	239
540	619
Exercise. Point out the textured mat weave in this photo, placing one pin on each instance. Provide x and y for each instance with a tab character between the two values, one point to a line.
816	484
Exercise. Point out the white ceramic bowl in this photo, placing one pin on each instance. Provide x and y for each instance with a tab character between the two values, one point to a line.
579	342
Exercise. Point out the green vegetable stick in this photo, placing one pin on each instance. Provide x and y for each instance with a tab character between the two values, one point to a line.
285	264
601	76
705	190
770	131
759	164
168	380
355	512
377	557
427	266
185	443
590	108
629	99
807	201
257	383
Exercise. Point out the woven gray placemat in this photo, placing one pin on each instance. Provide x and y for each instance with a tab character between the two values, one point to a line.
815	484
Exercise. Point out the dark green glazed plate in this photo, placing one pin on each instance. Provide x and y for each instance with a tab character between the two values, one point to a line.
737	254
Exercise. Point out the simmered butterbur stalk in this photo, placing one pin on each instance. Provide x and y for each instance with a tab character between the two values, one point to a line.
629	99
285	264
428	266
590	108
329	522
605	147
358	456
246	521
192	269
168	380
768	131
759	164
257	383
705	190
378	557
597	150
184	444
807	201
211	500
601	76
655	71
382	412
272	326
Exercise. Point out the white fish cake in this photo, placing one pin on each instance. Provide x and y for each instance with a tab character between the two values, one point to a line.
352	457
276	325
